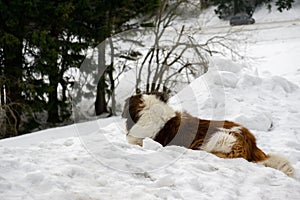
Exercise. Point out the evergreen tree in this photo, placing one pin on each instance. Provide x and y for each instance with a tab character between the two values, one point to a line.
225	9
16	21
39	41
58	50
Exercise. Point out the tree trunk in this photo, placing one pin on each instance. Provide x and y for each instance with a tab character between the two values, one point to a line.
53	108
53	103
111	78
100	103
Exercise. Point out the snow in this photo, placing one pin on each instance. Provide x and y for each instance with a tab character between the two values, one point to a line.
92	160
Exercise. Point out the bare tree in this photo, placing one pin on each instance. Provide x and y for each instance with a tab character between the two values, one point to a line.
181	58
10	118
164	57
164	61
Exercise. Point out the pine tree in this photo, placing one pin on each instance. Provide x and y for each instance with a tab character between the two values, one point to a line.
15	24
225	9
39	41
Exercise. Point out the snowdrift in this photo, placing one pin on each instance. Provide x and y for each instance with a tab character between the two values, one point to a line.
93	161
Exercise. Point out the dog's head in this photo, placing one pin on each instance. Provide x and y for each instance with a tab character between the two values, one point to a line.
135	104
145	115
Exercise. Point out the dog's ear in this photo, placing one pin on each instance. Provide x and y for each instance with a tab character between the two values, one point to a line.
132	107
126	114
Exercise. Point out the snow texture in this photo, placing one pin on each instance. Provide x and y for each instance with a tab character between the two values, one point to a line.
93	160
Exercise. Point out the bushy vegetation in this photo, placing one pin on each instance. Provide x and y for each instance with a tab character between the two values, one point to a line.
225	9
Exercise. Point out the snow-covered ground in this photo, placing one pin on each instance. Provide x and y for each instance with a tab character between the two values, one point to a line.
92	160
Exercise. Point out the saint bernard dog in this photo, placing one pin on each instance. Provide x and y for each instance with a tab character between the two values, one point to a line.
149	115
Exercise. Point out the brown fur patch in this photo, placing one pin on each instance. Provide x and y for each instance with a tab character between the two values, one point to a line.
133	106
191	132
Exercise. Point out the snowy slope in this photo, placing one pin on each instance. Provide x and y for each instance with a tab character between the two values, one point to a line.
93	161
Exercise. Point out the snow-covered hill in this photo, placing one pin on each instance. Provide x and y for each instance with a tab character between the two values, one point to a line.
93	161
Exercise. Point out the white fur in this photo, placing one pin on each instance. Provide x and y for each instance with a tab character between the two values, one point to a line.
236	129
280	163
133	140
152	118
221	141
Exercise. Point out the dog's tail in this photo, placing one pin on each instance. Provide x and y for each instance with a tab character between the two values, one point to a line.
279	162
275	161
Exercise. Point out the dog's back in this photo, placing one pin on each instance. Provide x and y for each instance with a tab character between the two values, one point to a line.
150	116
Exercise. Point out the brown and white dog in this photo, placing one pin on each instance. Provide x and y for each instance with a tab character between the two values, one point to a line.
149	115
